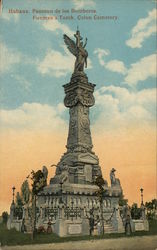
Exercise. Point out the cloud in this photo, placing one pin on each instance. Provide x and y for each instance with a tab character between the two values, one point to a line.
56	26
119	108
81	3
144	28
33	116
8	58
112	65
141	70
138	71
61	108
22	81
101	55
10	17
56	64
116	66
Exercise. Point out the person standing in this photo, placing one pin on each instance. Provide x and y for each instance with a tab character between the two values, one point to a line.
127	226
91	224
99	226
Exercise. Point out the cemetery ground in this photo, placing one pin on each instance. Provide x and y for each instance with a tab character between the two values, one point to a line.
13	238
133	243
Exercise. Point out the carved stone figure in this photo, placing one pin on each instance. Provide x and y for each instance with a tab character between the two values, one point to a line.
114	180
78	50
45	172
64	177
62	173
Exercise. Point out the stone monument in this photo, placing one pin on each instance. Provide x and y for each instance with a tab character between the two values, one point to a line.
70	202
71	195
79	164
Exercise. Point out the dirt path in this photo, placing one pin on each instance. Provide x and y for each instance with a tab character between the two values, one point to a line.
135	243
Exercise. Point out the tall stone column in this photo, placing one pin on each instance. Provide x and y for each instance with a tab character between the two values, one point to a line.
79	164
79	97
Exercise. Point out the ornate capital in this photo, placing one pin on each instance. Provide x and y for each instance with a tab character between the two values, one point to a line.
80	95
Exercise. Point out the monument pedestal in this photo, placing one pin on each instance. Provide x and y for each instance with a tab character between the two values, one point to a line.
117	221
71	228
71	203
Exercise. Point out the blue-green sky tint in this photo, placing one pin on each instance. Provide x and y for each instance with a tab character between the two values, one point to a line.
35	62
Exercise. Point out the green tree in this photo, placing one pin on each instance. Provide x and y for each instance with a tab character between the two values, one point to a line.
38	182
151	207
25	192
18	201
100	182
5	217
135	211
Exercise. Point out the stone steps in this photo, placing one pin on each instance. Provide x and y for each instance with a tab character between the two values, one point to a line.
108	228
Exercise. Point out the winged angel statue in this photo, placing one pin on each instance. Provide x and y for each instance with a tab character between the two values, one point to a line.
78	50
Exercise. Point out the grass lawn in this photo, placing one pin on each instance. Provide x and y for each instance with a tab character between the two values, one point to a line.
12	237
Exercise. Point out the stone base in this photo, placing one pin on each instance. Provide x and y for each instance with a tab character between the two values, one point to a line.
112	193
141	225
14	224
69	207
81	168
76	227
64	227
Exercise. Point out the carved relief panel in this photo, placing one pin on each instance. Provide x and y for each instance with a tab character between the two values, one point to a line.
84	96
79	129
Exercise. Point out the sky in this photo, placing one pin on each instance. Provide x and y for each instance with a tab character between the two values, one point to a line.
35	64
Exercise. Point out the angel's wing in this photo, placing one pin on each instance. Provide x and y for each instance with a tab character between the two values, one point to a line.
70	45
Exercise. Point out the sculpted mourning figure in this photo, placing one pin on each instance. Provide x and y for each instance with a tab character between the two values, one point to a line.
45	173
78	50
114	180
62	173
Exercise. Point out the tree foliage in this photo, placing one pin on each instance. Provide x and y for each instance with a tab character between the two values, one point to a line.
100	183
151	204
38	181
18	202
4	217
135	211
151	207
25	192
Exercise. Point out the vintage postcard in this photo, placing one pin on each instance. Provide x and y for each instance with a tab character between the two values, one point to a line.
77	120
